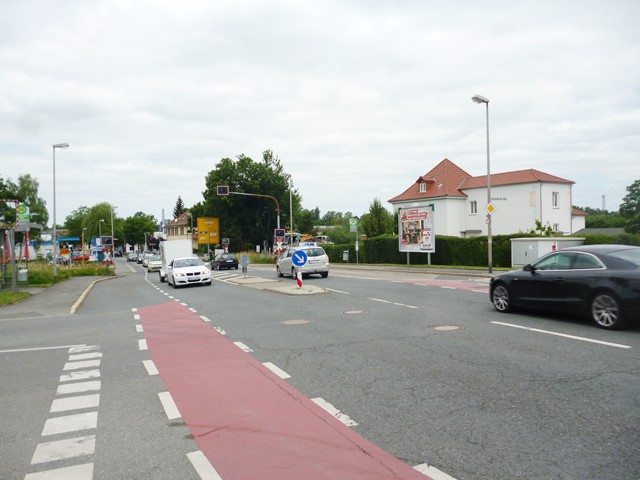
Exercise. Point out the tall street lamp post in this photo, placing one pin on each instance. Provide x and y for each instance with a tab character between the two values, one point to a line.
481	99
100	230
55	228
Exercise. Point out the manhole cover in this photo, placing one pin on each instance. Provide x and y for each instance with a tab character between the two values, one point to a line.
353	312
295	322
446	328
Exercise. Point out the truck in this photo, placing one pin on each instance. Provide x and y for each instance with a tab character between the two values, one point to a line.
170	249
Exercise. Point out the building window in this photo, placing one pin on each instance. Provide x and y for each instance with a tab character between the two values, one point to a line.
555	199
556	227
423	187
473	207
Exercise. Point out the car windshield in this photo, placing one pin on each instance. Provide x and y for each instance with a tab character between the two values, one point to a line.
155	258
187	262
227	256
314	252
631	255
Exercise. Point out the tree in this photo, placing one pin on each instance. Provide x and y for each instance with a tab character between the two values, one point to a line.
76	221
630	206
245	218
26	191
135	227
378	221
179	208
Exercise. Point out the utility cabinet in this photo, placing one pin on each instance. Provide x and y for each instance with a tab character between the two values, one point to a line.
528	250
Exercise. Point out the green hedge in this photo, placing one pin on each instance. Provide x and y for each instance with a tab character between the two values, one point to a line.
455	251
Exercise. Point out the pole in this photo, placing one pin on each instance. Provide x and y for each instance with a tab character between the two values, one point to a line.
489	239
55	232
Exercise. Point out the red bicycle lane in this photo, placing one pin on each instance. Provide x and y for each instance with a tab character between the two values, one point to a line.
247	421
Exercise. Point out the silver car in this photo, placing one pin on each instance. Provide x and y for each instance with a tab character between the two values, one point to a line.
317	261
188	271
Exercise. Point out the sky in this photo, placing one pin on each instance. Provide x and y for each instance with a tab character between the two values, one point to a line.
356	98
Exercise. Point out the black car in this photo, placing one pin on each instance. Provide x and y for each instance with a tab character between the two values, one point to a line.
602	281
224	260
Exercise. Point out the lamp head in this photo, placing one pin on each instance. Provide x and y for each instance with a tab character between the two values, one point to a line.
479	99
61	145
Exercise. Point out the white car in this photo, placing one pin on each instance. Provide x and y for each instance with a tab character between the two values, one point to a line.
188	271
317	261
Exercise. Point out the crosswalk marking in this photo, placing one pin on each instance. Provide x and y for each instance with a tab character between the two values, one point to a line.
61	449
85	356
78	387
70	423
84	375
77	472
79	365
75	403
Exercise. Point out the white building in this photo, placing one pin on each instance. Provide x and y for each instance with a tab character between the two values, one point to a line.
520	198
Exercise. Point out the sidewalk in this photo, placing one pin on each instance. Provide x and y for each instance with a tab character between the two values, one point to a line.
60	299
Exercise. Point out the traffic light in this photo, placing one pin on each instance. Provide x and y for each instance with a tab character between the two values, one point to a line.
222	190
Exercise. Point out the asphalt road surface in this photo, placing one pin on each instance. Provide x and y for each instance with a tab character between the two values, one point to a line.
378	374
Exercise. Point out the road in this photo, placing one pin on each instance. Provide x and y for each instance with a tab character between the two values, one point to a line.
420	370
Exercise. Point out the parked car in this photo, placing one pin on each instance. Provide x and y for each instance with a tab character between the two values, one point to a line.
317	261
132	257
602	281
154	264
79	257
188	271
224	260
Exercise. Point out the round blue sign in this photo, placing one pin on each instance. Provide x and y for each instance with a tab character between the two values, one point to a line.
299	258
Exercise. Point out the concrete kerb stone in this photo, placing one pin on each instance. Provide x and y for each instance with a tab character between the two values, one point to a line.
278	286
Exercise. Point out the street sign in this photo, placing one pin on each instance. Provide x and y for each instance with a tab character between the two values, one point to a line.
353	224
208	230
491	208
299	258
222	190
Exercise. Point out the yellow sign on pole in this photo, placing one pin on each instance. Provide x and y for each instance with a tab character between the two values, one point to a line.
208	230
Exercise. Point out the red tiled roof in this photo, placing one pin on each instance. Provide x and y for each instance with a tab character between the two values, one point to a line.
510	178
183	219
578	213
448	180
442	180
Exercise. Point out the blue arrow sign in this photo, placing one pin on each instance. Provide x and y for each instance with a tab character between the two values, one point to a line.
299	258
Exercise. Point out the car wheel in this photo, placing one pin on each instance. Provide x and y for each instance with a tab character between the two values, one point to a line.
324	274
279	272
501	298
606	311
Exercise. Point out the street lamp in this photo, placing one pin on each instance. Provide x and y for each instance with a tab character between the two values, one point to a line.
481	99
84	229
100	230
290	178
55	231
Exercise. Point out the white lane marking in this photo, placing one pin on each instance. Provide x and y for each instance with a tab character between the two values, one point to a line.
136	317
331	410
77	472
243	347
39	349
193	310
84	375
337	291
75	403
170	407
70	423
220	330
206	319
139	329
278	371
134	309
142	344
79	365
202	466
151	367
448	288
78	387
61	449
393	303
432	472
85	356
183	304
573	337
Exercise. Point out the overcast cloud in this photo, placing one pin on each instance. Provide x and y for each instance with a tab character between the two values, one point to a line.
356	98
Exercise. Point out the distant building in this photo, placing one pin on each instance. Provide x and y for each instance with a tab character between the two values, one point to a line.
520	198
182	227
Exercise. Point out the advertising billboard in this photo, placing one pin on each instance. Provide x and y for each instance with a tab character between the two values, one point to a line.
415	229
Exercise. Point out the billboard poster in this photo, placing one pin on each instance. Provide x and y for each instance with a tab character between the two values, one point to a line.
416	233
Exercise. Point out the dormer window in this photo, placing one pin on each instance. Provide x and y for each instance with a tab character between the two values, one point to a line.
423	187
